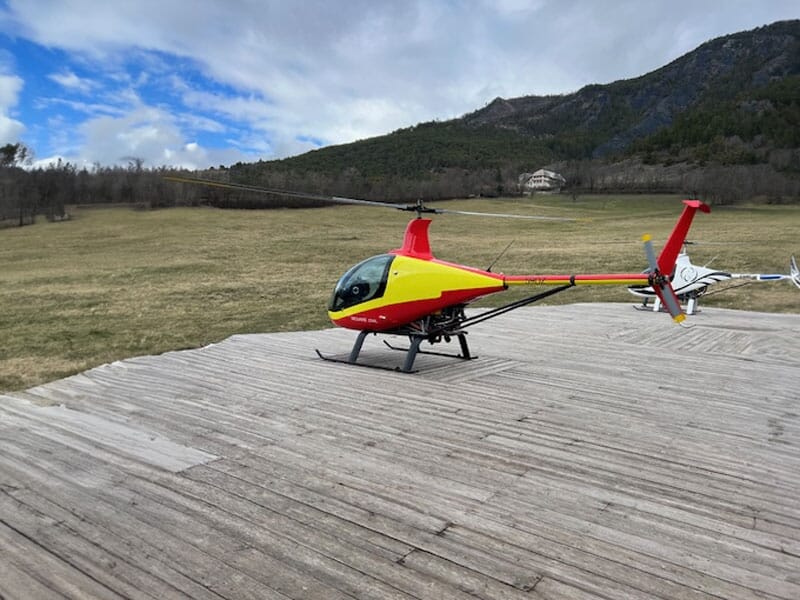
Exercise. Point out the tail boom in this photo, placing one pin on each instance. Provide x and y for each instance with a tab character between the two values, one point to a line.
579	279
658	276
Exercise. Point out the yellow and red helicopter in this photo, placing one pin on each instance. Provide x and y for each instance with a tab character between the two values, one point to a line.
409	292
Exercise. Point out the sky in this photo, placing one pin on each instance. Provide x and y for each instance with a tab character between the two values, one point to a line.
202	83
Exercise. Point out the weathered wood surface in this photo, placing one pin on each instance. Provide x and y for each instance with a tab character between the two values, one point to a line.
591	451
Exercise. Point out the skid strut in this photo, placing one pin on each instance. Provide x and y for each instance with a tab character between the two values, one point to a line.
415	340
450	323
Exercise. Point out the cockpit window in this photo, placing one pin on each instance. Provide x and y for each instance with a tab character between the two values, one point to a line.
365	281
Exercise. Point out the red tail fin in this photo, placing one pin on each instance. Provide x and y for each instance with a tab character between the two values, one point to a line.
670	251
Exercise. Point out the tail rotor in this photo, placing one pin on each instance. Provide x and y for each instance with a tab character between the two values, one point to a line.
660	283
662	267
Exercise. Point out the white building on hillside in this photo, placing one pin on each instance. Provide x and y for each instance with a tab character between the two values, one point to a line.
541	181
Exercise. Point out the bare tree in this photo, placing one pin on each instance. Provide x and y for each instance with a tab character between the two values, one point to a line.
16	198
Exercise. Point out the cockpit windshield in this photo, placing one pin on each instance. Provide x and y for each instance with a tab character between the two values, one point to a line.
365	281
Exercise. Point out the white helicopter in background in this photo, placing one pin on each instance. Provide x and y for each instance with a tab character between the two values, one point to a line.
692	281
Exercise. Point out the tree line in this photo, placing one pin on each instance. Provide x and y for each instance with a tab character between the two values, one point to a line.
26	193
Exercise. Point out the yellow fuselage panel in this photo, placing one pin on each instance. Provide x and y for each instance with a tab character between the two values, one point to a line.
417	280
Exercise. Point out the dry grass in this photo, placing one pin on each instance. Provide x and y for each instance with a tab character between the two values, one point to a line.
114	283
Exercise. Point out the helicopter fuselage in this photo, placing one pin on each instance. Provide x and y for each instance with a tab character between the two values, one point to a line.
409	292
688	279
692	281
389	291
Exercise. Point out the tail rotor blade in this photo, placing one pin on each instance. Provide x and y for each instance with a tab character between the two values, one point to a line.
650	252
670	300
660	283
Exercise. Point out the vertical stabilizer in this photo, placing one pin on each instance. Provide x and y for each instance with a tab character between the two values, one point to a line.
669	254
415	241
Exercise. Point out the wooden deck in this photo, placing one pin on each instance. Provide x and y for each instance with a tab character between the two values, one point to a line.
592	451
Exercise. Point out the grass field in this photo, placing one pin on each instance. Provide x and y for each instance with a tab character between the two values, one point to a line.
113	283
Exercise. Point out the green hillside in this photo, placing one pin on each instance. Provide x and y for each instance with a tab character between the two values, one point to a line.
748	129
734	101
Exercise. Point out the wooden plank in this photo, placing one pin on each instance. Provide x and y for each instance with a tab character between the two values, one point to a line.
51	573
341	565
671	570
271	497
113	534
141	445
574	459
475	562
483	586
645	526
153	526
17	583
110	525
90	561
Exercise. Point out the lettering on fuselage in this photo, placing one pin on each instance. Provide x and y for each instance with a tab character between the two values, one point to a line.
366	320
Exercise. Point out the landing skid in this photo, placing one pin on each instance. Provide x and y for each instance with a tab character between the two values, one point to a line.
411	352
439	327
690	299
346	361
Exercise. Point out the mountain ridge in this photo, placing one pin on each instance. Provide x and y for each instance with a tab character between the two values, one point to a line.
739	90
663	93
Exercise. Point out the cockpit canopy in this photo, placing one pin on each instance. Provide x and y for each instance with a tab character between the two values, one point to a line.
365	281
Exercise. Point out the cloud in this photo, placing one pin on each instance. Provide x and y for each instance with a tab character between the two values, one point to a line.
152	135
10	129
90	108
72	82
271	78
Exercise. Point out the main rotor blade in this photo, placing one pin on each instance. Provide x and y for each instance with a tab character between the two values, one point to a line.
500	215
702	243
419	207
287	193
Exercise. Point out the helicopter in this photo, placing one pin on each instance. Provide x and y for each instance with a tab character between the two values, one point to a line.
408	292
691	281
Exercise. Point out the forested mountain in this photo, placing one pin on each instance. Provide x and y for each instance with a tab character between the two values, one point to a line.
733	101
721	123
731	69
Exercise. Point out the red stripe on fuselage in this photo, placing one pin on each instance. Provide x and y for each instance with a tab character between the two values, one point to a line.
393	316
